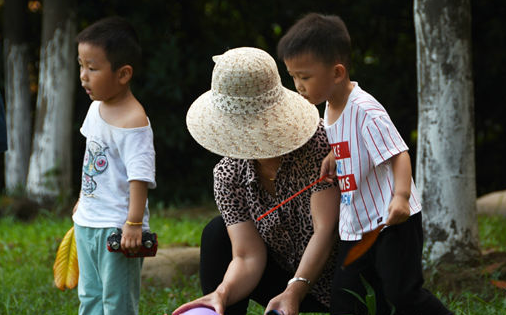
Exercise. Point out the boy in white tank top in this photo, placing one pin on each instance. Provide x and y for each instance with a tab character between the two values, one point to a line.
118	169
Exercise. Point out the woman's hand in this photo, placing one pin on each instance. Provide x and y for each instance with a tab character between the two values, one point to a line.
287	302
212	300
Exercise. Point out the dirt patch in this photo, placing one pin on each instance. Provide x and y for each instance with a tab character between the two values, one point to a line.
483	278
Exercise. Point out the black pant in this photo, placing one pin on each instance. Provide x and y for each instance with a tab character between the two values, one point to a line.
393	267
215	256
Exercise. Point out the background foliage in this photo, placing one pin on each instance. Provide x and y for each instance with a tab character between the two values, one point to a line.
180	37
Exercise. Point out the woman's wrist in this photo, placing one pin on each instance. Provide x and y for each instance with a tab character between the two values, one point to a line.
301	279
222	293
298	288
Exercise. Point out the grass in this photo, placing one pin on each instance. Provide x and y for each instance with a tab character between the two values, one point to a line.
27	252
493	232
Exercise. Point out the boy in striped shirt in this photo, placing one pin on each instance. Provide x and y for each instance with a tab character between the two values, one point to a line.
373	169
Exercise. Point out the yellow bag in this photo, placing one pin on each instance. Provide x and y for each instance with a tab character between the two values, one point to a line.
65	268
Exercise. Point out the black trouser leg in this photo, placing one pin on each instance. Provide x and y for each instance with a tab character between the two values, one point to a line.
399	264
350	279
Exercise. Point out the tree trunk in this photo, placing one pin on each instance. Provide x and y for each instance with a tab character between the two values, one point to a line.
17	94
50	162
445	157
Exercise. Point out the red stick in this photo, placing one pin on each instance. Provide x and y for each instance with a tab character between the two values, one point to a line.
293	196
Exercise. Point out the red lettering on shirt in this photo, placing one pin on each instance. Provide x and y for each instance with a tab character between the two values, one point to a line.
347	182
341	150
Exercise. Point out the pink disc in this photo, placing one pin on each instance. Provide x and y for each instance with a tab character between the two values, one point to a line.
200	311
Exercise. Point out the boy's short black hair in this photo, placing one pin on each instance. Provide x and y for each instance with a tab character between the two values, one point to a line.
117	38
324	36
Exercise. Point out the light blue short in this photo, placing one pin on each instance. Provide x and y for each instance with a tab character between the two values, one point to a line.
109	283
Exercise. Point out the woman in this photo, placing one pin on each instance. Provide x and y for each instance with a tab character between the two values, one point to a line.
273	142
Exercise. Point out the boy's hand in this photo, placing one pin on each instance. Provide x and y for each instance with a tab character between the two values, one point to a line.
398	210
329	168
131	238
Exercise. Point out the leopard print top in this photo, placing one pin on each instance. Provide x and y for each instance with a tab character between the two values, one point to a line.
286	231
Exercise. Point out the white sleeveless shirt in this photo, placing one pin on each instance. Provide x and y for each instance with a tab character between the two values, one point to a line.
114	156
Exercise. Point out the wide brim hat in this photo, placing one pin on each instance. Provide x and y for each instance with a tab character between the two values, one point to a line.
248	114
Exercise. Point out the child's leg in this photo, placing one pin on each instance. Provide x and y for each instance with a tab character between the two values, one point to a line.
399	264
89	286
121	278
349	279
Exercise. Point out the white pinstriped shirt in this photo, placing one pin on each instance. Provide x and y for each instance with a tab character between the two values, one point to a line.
364	139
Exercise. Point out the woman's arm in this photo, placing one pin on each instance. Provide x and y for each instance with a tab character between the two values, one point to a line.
249	257
325	213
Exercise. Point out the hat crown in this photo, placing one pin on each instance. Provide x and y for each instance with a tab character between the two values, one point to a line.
245	72
245	80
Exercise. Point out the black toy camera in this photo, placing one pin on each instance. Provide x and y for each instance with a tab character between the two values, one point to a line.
148	248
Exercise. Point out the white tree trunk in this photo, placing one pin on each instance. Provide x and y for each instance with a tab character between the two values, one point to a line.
445	157
50	162
17	94
18	109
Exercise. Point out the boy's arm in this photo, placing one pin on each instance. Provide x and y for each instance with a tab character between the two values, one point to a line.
399	205
75	207
77	204
249	256
328	167
131	238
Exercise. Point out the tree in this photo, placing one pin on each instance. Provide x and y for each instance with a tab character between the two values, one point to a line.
50	162
445	159
17	94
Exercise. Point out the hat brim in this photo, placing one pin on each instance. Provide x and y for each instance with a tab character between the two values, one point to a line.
282	128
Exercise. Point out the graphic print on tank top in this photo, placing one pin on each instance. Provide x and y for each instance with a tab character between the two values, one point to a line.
95	163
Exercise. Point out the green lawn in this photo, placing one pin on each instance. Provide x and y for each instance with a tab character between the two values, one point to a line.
27	252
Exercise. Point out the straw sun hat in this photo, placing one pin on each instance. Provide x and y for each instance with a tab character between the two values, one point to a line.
248	114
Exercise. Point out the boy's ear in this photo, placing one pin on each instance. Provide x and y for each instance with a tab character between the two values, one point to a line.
340	72
125	74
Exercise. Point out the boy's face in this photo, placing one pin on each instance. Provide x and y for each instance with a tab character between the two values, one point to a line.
313	79
97	77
